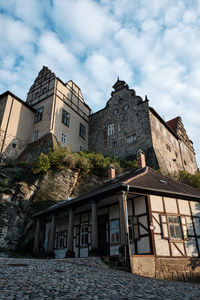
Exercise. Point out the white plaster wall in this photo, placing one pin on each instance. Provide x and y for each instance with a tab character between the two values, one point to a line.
190	246
60	253
156	203
113	212
162	246
189	226
175	251
84	217
184	207
143	245
139	205
197	225
47	227
157	228
83	252
170	205
195	207
114	250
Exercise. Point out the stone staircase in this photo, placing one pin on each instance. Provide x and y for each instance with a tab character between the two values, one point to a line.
114	263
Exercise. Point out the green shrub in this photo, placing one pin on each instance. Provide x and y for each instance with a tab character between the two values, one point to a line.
42	164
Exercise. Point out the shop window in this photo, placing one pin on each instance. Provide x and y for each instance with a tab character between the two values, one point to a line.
110	129
84	236
38	115
114	231
65	117
63	138
82	131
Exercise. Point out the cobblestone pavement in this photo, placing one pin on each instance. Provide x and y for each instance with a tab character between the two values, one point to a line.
79	279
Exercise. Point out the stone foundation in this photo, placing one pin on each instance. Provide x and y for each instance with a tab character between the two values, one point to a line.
183	269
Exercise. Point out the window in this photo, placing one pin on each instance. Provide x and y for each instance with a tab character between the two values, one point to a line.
84	236
114	231
61	239
130	139
125	107
35	136
110	129
115	144
174	227
63	138
82	131
168	147
65	117
115	111
130	228
81	148
14	145
38	114
37	94
44	90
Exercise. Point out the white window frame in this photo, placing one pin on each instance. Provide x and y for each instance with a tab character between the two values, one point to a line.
110	129
173	225
35	135
84	235
64	138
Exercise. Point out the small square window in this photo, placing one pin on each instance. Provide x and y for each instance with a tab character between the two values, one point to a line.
38	115
65	117
64	138
82	131
125	107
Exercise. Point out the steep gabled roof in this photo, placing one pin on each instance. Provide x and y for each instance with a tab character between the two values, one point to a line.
145	180
173	123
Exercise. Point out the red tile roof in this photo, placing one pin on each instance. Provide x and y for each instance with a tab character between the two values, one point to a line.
173	123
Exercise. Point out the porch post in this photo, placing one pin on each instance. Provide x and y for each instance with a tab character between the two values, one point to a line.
52	236
94	229
36	247
70	238
123	220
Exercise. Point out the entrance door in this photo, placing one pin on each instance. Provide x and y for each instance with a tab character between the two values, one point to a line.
103	244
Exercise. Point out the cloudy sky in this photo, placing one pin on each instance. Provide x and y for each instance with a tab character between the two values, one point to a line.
153	45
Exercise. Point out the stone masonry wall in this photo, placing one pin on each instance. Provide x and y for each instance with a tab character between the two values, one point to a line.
183	269
128	114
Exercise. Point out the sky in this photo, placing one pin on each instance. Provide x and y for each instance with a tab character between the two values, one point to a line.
152	45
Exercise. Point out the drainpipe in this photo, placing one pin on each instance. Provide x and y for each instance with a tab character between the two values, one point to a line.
127	231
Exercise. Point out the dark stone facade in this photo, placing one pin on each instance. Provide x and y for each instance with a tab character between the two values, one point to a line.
127	124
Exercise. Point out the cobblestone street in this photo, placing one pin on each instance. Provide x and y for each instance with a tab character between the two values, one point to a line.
83	279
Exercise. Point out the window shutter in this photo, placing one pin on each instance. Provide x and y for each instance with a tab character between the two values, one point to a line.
164	227
184	228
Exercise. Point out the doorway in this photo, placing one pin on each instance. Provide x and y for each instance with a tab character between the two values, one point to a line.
103	243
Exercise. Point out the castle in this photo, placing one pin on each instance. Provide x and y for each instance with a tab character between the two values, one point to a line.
126	124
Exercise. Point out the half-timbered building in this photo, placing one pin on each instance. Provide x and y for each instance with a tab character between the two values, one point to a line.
147	220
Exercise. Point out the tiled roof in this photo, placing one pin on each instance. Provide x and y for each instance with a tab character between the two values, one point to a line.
173	123
144	180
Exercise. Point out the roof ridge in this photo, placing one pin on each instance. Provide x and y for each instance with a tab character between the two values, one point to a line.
137	176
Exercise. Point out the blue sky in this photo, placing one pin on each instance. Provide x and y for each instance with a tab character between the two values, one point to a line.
153	45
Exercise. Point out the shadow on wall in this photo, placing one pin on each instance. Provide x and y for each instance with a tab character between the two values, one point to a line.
194	238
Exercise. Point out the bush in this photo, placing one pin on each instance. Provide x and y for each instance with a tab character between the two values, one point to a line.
190	179
42	164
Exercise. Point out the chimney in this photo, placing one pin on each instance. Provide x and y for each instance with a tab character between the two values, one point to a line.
111	172
141	159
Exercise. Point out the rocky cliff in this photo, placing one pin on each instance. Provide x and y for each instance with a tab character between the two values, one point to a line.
21	197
